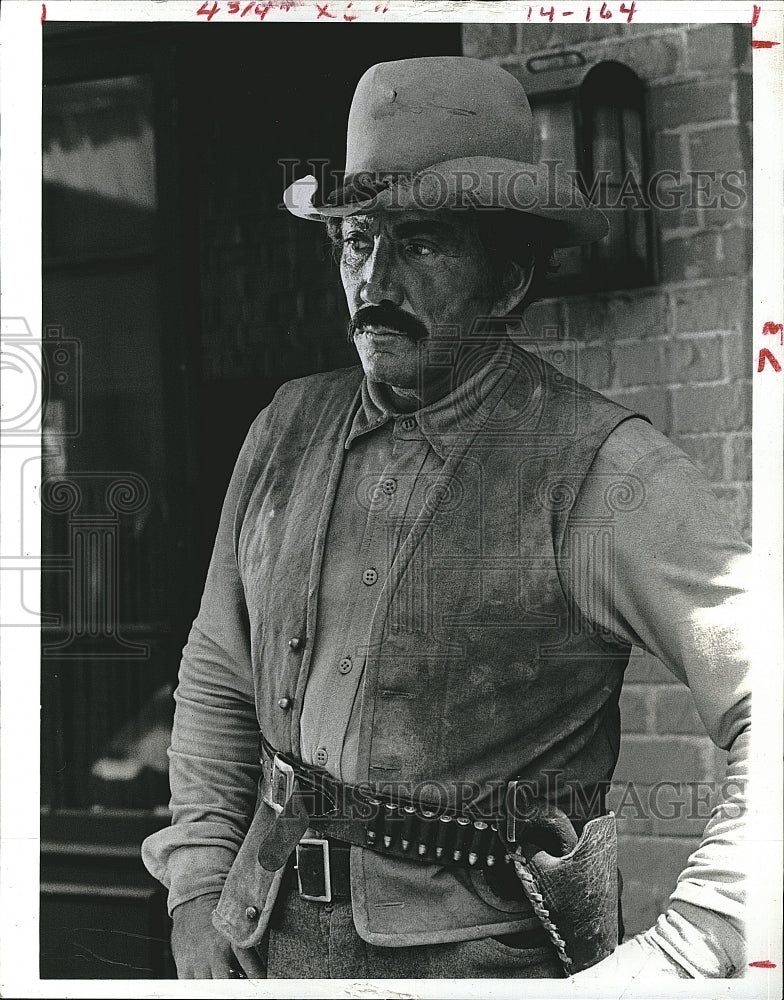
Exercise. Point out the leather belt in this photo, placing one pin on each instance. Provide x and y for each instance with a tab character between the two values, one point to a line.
323	869
322	866
359	815
353	814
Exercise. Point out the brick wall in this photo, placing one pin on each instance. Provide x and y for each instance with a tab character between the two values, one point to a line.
680	352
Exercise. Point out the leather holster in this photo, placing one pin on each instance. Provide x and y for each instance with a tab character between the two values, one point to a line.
578	888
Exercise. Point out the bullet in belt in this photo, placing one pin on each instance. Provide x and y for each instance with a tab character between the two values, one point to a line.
409	817
424	834
463	823
389	810
479	831
371	831
491	859
442	834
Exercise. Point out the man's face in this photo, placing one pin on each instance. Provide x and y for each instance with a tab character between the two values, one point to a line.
405	274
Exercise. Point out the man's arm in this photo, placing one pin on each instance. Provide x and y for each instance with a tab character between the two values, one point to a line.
214	767
681	591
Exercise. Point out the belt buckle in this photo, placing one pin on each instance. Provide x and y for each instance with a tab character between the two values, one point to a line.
321	842
281	785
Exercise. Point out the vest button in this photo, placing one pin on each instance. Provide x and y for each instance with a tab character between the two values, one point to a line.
321	756
285	703
369	577
295	643
408	423
345	665
251	913
389	486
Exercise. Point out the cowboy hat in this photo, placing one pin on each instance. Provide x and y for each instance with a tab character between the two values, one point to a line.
452	132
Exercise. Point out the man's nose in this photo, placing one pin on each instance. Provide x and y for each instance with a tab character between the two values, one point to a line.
380	281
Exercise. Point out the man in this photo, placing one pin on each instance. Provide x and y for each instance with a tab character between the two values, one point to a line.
409	600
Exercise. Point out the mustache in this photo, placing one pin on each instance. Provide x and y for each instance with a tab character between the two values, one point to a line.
388	316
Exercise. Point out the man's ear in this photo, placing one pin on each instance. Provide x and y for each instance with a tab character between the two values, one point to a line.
514	287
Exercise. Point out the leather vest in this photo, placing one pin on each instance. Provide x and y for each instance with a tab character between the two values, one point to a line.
480	666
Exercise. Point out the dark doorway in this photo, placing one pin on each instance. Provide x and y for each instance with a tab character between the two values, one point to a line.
177	297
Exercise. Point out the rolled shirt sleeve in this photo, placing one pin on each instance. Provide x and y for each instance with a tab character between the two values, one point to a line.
213	758
680	589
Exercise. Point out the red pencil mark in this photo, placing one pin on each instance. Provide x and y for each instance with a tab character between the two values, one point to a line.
628	10
350	17
765	355
755	15
764	964
757	44
323	11
774	328
605	12
264	11
43	12
547	13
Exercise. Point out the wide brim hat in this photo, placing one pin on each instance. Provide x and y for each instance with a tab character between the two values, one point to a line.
448	132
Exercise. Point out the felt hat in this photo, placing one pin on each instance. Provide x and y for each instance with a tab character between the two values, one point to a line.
448	132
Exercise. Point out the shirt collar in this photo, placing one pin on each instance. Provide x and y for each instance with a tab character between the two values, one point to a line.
446	420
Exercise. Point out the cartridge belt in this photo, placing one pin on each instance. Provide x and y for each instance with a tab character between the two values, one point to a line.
359	816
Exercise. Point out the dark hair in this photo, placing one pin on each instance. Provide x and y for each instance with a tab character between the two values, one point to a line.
506	236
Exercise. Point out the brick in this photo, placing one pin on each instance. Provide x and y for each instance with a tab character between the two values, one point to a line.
707	452
637	314
735	500
646	669
711	49
734	201
736	249
675	712
630	805
743	47
668	154
682	809
639	363
538	37
482	40
707	254
636	702
659	860
720	148
739	458
595	366
654	56
673	808
648	759
642	902
745	104
698	408
721	305
693	359
672	201
739	359
679	104
559	355
651	401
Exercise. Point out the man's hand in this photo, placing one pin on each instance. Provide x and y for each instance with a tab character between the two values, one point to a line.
636	959
202	952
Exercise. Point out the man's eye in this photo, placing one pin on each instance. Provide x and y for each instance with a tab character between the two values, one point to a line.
418	249
356	243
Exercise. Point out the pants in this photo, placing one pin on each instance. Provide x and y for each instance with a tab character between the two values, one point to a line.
310	940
